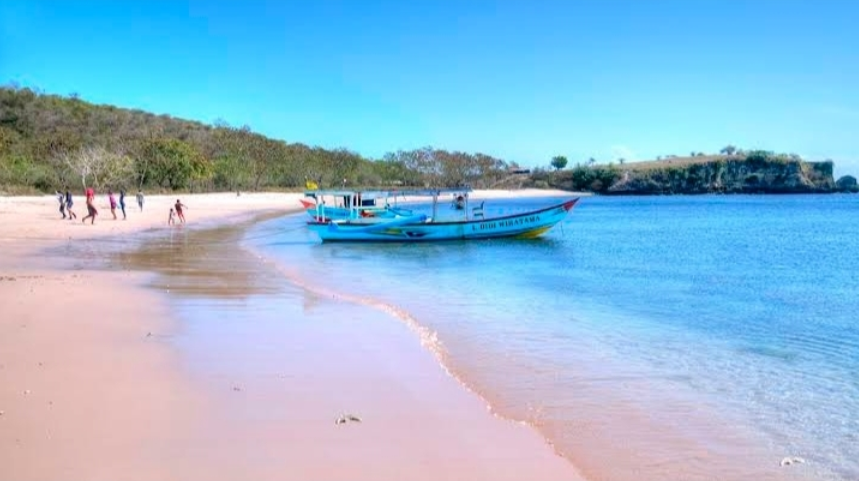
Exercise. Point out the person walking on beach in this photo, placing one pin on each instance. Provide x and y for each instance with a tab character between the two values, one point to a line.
179	206
122	202
140	199
69	204
170	220
62	200
90	206
112	200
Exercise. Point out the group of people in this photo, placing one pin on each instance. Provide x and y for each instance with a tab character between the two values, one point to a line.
67	203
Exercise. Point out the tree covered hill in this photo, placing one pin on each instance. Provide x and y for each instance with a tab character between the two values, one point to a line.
48	141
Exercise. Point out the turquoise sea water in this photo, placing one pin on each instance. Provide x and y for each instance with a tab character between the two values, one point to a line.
707	336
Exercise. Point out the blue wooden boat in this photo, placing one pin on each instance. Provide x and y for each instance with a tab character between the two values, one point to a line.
402	227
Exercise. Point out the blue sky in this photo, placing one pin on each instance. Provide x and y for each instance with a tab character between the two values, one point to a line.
521	80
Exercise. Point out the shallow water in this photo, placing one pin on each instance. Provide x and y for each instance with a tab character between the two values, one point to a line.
278	362
701	337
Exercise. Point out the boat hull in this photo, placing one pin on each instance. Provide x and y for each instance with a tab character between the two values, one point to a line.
525	225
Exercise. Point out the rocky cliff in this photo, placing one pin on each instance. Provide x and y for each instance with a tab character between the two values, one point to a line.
753	173
733	175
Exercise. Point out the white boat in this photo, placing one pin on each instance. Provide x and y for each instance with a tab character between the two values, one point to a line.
472	224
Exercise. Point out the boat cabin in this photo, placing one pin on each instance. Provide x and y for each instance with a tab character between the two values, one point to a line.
357	204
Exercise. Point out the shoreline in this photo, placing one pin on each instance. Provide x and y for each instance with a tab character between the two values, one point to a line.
146	394
608	433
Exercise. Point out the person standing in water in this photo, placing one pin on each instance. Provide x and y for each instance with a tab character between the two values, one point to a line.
69	204
90	206
112	200
140	199
179	206
122	202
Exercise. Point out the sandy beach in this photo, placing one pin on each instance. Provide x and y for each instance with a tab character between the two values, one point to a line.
92	388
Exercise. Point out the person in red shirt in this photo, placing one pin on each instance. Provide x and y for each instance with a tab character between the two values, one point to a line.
90	206
179	206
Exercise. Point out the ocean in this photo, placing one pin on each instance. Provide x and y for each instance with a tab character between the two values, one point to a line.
706	337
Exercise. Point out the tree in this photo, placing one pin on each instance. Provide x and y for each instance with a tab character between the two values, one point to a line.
728	150
559	162
592	161
229	174
8	139
172	163
98	165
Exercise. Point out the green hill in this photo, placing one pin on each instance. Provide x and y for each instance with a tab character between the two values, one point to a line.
47	141
50	141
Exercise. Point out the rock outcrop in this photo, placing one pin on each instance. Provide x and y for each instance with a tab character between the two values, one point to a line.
847	183
757	172
758	176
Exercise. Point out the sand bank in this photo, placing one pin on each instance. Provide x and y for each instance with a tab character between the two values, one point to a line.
92	388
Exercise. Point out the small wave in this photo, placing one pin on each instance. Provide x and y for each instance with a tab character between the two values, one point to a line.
429	338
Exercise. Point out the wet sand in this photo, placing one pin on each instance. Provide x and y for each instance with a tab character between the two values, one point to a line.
88	387
102	376
85	393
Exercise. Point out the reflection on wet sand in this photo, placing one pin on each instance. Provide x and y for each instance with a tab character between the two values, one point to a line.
202	262
278	369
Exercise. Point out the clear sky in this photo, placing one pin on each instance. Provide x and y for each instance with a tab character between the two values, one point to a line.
521	80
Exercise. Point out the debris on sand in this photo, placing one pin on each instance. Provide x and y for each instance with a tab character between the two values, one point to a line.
792	460
343	419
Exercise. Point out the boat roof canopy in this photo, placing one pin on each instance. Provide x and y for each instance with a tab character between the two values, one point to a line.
379	193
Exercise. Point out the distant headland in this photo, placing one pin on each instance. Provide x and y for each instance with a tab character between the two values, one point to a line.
51	141
732	171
